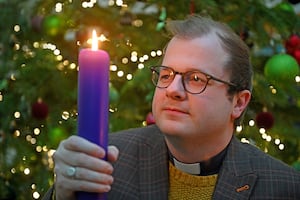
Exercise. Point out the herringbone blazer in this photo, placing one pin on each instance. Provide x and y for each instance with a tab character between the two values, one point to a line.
141	172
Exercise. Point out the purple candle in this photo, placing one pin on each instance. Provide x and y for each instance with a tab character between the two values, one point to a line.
93	101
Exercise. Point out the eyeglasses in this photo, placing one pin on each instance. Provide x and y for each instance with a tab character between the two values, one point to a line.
194	82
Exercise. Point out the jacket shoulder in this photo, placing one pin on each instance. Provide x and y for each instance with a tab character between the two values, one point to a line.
148	135
265	162
265	176
141	163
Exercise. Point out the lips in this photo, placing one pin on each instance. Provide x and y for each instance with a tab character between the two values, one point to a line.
175	110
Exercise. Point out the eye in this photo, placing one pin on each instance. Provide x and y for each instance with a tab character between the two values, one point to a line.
195	81
197	78
165	75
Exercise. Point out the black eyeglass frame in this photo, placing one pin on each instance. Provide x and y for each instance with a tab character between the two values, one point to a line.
156	69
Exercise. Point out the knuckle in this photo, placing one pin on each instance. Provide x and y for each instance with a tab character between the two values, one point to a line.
82	187
109	169
107	179
71	141
81	159
68	143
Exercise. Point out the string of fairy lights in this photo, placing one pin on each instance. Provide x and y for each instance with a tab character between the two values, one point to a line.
133	57
264	136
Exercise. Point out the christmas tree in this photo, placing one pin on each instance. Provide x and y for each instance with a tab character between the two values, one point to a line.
39	46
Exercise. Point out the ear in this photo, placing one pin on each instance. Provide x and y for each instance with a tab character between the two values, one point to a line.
240	102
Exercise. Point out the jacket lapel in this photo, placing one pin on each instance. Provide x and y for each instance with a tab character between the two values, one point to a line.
236	178
153	167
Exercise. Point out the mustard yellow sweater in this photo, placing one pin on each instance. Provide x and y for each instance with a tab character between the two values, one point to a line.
191	187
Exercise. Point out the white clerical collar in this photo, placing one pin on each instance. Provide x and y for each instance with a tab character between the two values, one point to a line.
193	168
204	168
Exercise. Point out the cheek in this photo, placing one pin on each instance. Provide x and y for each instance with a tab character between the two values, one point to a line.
155	102
210	108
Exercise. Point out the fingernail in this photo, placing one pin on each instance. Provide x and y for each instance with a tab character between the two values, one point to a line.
108	188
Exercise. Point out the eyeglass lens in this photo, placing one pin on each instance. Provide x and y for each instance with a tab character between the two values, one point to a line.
193	81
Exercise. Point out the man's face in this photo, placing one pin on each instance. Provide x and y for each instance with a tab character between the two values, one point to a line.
182	114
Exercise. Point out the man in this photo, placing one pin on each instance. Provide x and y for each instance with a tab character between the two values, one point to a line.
203	86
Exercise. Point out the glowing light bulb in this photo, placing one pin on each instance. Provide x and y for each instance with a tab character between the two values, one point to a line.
26	171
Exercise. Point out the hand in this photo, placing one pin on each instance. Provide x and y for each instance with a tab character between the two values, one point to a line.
79	167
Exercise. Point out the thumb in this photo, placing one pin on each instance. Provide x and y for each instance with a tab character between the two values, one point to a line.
112	153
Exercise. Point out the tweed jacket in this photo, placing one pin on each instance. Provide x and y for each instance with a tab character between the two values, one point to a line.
141	171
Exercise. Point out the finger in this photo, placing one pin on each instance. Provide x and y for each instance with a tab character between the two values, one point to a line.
93	176
112	153
65	170
79	144
68	186
84	174
77	159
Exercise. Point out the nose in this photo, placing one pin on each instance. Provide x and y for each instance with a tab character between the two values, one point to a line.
176	89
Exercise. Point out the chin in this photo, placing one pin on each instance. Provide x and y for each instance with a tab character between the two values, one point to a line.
171	128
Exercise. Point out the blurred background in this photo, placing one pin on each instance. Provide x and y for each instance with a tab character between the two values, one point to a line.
39	45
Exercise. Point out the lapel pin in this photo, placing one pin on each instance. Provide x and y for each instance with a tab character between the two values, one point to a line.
243	188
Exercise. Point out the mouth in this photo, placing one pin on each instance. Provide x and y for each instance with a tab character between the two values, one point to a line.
175	110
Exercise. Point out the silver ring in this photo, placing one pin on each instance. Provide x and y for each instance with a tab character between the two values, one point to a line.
71	172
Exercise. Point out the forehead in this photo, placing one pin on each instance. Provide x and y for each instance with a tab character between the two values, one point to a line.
204	53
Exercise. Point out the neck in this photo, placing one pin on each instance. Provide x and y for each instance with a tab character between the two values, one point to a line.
192	151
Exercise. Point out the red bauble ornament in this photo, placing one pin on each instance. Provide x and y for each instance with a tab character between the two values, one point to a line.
150	119
265	120
292	44
297	55
39	110
36	23
294	40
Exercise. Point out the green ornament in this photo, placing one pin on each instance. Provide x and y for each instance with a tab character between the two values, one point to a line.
281	68
53	25
3	84
57	134
296	165
160	25
285	6
163	14
162	18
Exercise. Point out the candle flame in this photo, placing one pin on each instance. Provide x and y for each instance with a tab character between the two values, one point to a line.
94	41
